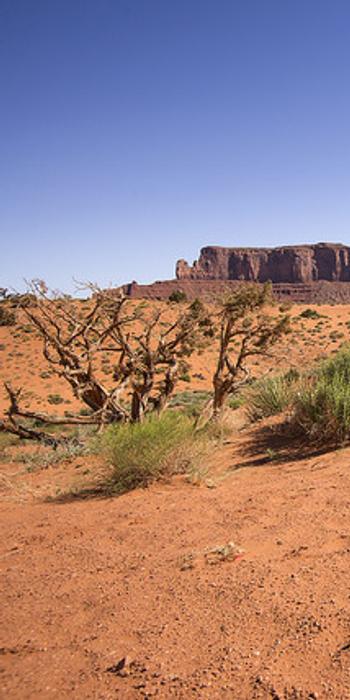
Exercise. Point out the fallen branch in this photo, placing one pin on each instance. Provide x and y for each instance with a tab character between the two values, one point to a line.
11	425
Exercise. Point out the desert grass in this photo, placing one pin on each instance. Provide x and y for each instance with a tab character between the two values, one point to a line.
140	453
271	395
321	408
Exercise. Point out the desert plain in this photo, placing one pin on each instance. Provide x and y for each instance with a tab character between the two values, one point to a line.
137	596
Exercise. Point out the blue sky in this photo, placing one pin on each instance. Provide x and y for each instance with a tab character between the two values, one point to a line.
133	132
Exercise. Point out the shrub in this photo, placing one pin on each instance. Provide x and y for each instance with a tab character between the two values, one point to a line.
336	335
310	313
285	307
55	399
7	318
322	405
185	377
178	296
235	401
271	395
143	452
85	411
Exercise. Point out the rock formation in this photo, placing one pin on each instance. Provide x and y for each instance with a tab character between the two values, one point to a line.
301	264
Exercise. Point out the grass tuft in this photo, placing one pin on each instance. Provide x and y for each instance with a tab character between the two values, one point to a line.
271	395
144	452
322	405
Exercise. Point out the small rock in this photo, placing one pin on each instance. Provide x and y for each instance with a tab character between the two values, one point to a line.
210	484
122	667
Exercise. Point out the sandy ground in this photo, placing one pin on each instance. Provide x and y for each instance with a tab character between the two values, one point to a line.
86	583
122	598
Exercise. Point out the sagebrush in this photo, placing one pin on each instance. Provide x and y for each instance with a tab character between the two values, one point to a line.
140	453
321	407
270	395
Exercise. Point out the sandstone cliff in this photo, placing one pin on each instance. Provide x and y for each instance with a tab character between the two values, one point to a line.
289	264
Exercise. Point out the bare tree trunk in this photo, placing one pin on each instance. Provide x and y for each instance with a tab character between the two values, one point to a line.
219	399
137	408
92	395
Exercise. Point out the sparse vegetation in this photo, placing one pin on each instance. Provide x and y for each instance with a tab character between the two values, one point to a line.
310	313
235	402
45	374
285	307
318	401
55	399
148	354
49	457
322	404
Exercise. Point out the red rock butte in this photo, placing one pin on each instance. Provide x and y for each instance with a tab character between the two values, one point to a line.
316	273
288	264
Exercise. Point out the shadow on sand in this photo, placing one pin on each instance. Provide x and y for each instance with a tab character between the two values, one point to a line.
278	445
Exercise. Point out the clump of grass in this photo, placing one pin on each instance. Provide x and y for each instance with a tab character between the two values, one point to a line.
271	395
50	457
336	335
178	296
7	440
322	404
7	317
55	399
310	313
235	401
144	452
285	307
85	411
45	374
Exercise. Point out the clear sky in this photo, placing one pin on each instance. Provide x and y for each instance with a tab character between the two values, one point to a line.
133	132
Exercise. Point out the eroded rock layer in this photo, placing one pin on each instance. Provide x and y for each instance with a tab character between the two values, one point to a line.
314	293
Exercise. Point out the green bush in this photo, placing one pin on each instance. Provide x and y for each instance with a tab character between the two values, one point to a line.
235	401
322	405
285	307
271	395
311	313
143	452
55	399
7	318
178	296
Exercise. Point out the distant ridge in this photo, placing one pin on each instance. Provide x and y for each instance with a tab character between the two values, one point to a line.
309	273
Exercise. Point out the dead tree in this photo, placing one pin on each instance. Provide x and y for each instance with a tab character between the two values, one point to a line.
244	331
153	360
149	351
